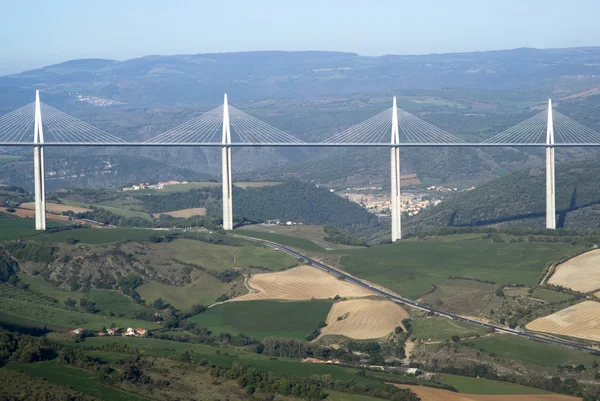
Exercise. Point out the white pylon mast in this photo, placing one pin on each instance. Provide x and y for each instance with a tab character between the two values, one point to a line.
226	160
550	180
39	167
395	176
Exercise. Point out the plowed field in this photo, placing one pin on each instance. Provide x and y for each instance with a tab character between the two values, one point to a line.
363	319
581	321
582	273
299	284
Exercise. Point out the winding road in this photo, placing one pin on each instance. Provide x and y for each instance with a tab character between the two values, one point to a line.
405	301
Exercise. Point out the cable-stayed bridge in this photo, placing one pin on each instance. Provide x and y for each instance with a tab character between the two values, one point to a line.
40	125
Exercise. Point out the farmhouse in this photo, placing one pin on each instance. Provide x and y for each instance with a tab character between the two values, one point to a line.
113	331
78	330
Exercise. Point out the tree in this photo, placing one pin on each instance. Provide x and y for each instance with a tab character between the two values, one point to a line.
70	302
158	304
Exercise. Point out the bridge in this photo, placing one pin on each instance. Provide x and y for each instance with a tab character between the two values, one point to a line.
228	127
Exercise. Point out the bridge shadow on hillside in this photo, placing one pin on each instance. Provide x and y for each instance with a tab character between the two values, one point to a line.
526	216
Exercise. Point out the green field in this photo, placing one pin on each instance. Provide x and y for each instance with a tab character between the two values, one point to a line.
470	385
9	158
260	319
18	304
440	328
98	235
125	212
131	204
410	268
221	257
13	228
286	240
550	295
78	379
204	290
532	352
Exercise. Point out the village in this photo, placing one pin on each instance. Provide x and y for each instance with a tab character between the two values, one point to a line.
157	186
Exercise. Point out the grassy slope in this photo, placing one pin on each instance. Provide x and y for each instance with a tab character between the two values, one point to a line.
515	348
469	385
439	328
550	296
286	240
410	268
97	235
205	289
261	319
78	379
221	257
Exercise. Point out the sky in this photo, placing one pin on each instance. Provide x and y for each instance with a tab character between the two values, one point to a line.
35	33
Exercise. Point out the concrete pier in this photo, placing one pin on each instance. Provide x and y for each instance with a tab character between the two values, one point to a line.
226	171
550	181
395	177
39	167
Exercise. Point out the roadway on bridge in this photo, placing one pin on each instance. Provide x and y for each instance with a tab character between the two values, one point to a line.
405	301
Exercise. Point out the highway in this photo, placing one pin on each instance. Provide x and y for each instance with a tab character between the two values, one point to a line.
405	301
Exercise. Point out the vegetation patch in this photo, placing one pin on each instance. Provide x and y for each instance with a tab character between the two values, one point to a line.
440	328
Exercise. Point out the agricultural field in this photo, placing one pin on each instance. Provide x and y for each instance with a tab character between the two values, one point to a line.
285	240
411	268
14	228
9	158
41	309
183	213
550	295
363	319
309	232
55	207
260	319
203	290
581	321
131	204
581	273
534	353
440	329
463	297
217	257
126	212
256	184
299	284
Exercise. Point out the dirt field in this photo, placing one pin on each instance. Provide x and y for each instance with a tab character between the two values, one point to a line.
582	273
55	207
299	284
364	319
434	394
184	213
581	321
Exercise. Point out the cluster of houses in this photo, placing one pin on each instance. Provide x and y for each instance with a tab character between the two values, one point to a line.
147	185
315	360
116	331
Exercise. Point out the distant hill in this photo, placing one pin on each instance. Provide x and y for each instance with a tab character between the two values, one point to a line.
268	74
519	199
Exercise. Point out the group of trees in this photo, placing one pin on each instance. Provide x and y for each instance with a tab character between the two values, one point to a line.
340	236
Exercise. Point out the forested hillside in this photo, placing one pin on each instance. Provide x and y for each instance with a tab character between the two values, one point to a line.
519	199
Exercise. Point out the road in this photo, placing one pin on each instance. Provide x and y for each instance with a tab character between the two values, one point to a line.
405	301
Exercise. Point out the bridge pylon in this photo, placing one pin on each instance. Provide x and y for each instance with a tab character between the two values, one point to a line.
39	167
226	172
395	176
550	180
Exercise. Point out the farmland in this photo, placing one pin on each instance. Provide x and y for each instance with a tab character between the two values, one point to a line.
13	228
363	319
530	352
260	319
434	394
581	321
299	284
411	268
439	328
581	273
184	213
95	236
286	240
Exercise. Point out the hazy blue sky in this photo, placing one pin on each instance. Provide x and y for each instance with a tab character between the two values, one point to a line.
34	33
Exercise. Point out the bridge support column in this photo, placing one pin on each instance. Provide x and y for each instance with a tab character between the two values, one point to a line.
395	177
226	171
39	168
550	181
